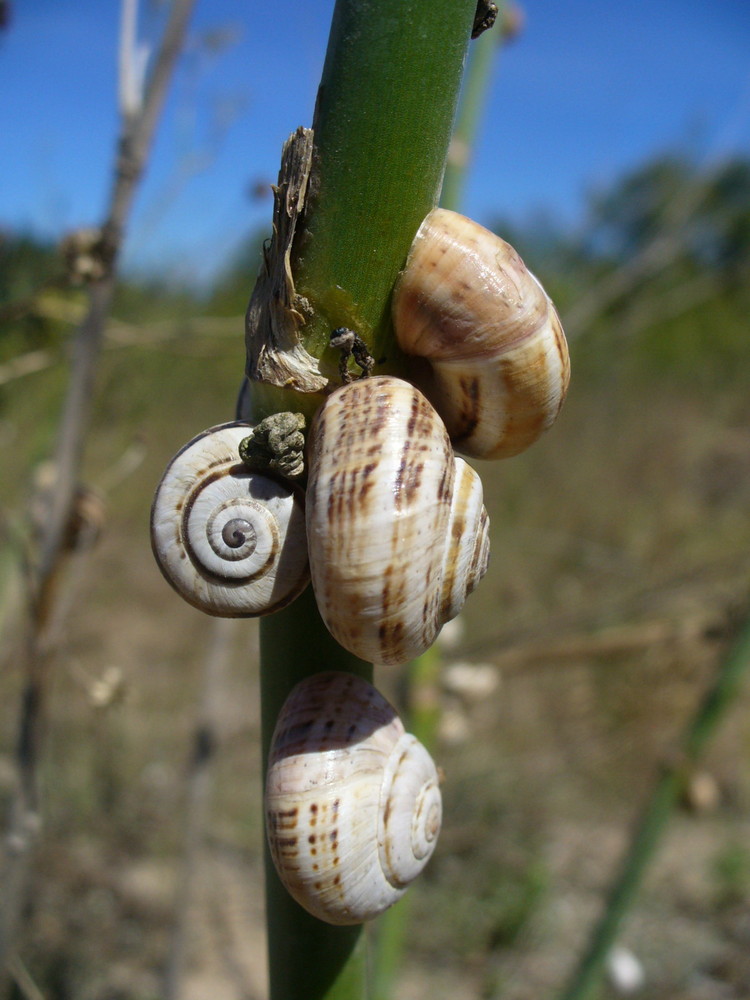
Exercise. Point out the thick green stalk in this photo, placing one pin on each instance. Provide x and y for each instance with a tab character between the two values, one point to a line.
383	123
382	126
308	960
650	829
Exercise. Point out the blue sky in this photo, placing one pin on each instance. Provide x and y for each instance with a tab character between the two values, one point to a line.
590	89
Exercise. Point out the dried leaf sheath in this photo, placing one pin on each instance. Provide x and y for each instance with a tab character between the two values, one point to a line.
275	354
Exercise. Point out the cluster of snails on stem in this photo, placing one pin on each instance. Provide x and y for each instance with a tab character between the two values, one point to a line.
391	530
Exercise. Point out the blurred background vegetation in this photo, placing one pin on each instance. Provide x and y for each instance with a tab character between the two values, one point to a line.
619	573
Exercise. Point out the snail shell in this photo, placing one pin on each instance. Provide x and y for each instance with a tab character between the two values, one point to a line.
396	530
497	366
353	806
230	541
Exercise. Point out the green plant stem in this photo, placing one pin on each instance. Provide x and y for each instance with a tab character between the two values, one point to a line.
383	121
422	717
484	52
308	960
649	830
423	696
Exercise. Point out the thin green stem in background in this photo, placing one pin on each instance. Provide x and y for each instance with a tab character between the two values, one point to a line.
422	716
652	825
474	95
423	674
385	111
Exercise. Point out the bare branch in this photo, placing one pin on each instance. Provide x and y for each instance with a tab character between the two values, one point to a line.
132	151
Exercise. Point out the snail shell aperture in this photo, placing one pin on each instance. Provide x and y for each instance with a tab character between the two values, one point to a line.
229	540
494	359
353	806
396	529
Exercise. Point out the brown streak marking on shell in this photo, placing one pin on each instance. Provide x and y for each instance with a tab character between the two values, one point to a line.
427	617
341	496
215	464
385	595
431	614
390	636
413	415
348	505
446	484
332	494
393	596
412	482
368	481
381	414
398	481
320	425
458	528
469	417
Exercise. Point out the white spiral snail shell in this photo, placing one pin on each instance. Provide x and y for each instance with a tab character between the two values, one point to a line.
491	355
396	529
353	807
229	540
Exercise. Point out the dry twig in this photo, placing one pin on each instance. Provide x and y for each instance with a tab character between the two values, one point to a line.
133	144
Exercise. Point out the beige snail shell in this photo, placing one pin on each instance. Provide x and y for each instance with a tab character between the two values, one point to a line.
230	541
353	807
496	365
396	530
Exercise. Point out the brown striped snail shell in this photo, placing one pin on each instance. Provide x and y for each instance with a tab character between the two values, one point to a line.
230	541
396	530
353	807
496	365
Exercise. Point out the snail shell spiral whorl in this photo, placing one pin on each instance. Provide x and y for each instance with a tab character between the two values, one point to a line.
231	541
353	807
